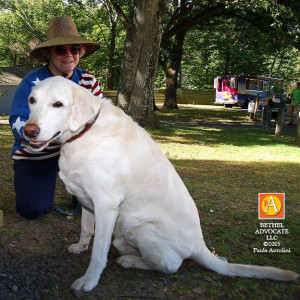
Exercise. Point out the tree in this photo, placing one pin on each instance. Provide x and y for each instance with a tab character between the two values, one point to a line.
181	21
233	48
271	18
144	30
105	18
113	19
19	25
24	23
200	39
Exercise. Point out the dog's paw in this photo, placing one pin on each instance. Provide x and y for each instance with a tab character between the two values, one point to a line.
133	261
124	262
77	248
84	284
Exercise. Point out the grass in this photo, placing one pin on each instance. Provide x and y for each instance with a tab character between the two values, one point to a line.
224	170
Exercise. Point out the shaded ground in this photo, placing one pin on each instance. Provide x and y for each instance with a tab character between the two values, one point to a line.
227	125
235	125
35	264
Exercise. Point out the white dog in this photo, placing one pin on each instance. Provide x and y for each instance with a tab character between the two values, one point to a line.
128	188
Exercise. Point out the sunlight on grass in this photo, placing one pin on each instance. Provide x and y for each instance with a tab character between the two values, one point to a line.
5	131
226	145
230	153
207	113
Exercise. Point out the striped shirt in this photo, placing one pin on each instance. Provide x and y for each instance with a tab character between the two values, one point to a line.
19	113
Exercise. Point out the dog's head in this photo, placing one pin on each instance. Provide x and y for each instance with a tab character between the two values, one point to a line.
57	106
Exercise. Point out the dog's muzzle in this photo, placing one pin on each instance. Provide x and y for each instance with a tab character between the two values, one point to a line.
31	131
42	144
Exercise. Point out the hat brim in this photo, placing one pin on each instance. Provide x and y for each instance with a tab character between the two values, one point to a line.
89	46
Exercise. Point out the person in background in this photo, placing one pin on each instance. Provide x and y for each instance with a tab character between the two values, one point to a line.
35	173
294	108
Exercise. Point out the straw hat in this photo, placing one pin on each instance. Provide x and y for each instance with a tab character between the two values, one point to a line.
62	31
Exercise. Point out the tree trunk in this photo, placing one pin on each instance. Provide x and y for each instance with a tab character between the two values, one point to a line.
172	73
136	88
171	89
179	30
111	58
279	121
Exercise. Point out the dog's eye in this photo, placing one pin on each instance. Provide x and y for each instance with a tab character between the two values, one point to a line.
57	104
31	100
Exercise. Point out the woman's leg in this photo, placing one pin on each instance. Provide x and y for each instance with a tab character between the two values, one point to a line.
35	183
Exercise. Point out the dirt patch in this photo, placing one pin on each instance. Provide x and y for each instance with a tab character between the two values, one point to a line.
35	264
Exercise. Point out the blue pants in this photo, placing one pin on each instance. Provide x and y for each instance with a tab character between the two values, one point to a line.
35	182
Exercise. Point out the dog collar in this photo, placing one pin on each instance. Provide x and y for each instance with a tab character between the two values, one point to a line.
84	130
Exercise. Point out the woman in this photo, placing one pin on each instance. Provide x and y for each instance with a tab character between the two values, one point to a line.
36	172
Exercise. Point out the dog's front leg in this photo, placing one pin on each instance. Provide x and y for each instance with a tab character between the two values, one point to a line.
87	231
105	218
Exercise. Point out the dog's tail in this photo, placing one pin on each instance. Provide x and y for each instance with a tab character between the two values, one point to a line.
211	262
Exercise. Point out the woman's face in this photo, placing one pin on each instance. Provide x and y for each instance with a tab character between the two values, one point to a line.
64	59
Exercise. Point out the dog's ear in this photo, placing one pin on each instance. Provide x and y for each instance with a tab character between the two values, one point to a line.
84	108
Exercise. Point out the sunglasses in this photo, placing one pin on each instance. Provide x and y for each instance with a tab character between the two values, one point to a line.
62	50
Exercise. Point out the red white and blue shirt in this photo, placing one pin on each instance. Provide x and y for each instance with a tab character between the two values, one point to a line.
19	113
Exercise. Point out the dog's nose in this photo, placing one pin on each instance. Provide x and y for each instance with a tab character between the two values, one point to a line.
31	130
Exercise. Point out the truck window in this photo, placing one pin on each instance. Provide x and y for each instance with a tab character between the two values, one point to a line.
254	84
233	83
218	84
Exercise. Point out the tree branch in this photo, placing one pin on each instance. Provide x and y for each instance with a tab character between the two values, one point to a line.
121	14
23	16
184	26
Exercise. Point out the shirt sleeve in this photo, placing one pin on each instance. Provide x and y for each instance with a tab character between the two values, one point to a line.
292	93
19	113
89	82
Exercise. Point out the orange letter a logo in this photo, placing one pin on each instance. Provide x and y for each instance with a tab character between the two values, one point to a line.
271	206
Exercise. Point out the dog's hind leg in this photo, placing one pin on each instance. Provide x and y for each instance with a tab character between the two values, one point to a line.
156	252
124	248
87	231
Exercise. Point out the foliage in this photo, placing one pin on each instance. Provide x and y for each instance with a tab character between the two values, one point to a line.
2	93
23	24
93	21
257	37
234	49
232	37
